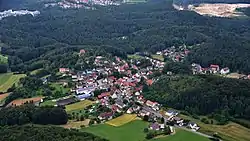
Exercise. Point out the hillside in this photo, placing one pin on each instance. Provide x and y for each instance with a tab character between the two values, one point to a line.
51	38
221	98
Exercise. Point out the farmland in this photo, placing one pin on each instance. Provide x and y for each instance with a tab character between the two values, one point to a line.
8	79
3	96
133	131
229	132
121	120
78	105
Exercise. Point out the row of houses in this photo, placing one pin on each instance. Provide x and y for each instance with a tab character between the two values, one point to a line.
212	69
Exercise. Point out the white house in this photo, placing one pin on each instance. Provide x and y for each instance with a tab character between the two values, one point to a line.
224	71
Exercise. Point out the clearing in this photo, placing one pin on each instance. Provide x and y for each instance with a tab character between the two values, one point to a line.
48	103
121	120
134	56
157	57
133	131
76	124
219	9
8	79
3	59
79	105
229	132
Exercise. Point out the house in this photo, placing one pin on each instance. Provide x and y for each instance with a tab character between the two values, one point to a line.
82	52
67	101
144	113
102	95
63	70
178	121
129	111
153	105
193	126
149	82
224	71
120	104
171	113
214	68
106	116
154	126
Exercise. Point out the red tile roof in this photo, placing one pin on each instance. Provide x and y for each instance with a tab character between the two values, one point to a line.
103	95
149	82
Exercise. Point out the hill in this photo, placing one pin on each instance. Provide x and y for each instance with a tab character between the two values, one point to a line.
8	79
221	98
51	38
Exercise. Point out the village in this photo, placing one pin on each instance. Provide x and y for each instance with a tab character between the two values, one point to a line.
116	87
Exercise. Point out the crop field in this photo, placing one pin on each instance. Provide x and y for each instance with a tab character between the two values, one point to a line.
121	120
8	79
229	132
79	105
133	131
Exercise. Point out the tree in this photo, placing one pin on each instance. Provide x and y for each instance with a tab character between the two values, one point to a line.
146	118
91	122
167	130
145	130
150	135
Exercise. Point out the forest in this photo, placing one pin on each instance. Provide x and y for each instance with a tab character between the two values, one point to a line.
51	39
28	113
44	133
222	98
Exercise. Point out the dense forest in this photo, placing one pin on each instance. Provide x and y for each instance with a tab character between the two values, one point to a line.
42	133
29	113
50	39
222	98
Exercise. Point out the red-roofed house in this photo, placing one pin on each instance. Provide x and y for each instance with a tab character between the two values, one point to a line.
102	95
105	116
82	51
149	82
215	68
63	70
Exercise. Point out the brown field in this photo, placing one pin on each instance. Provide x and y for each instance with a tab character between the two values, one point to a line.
3	96
76	124
19	102
229	132
219	10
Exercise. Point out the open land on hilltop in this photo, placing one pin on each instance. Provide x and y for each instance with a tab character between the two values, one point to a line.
219	10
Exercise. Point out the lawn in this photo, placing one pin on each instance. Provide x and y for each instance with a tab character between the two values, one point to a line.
8	79
229	132
48	103
133	131
78	105
134	56
121	120
157	57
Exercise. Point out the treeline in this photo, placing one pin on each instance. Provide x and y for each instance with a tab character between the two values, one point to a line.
51	38
44	133
221	98
29	113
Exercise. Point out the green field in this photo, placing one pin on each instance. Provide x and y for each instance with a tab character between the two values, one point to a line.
48	103
157	57
8	79
134	56
3	59
133	131
79	105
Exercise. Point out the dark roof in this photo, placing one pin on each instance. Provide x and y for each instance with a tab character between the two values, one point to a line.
66	101
106	115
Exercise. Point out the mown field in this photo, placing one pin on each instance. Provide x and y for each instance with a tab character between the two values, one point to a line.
121	120
157	57
78	105
133	131
229	132
8	79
